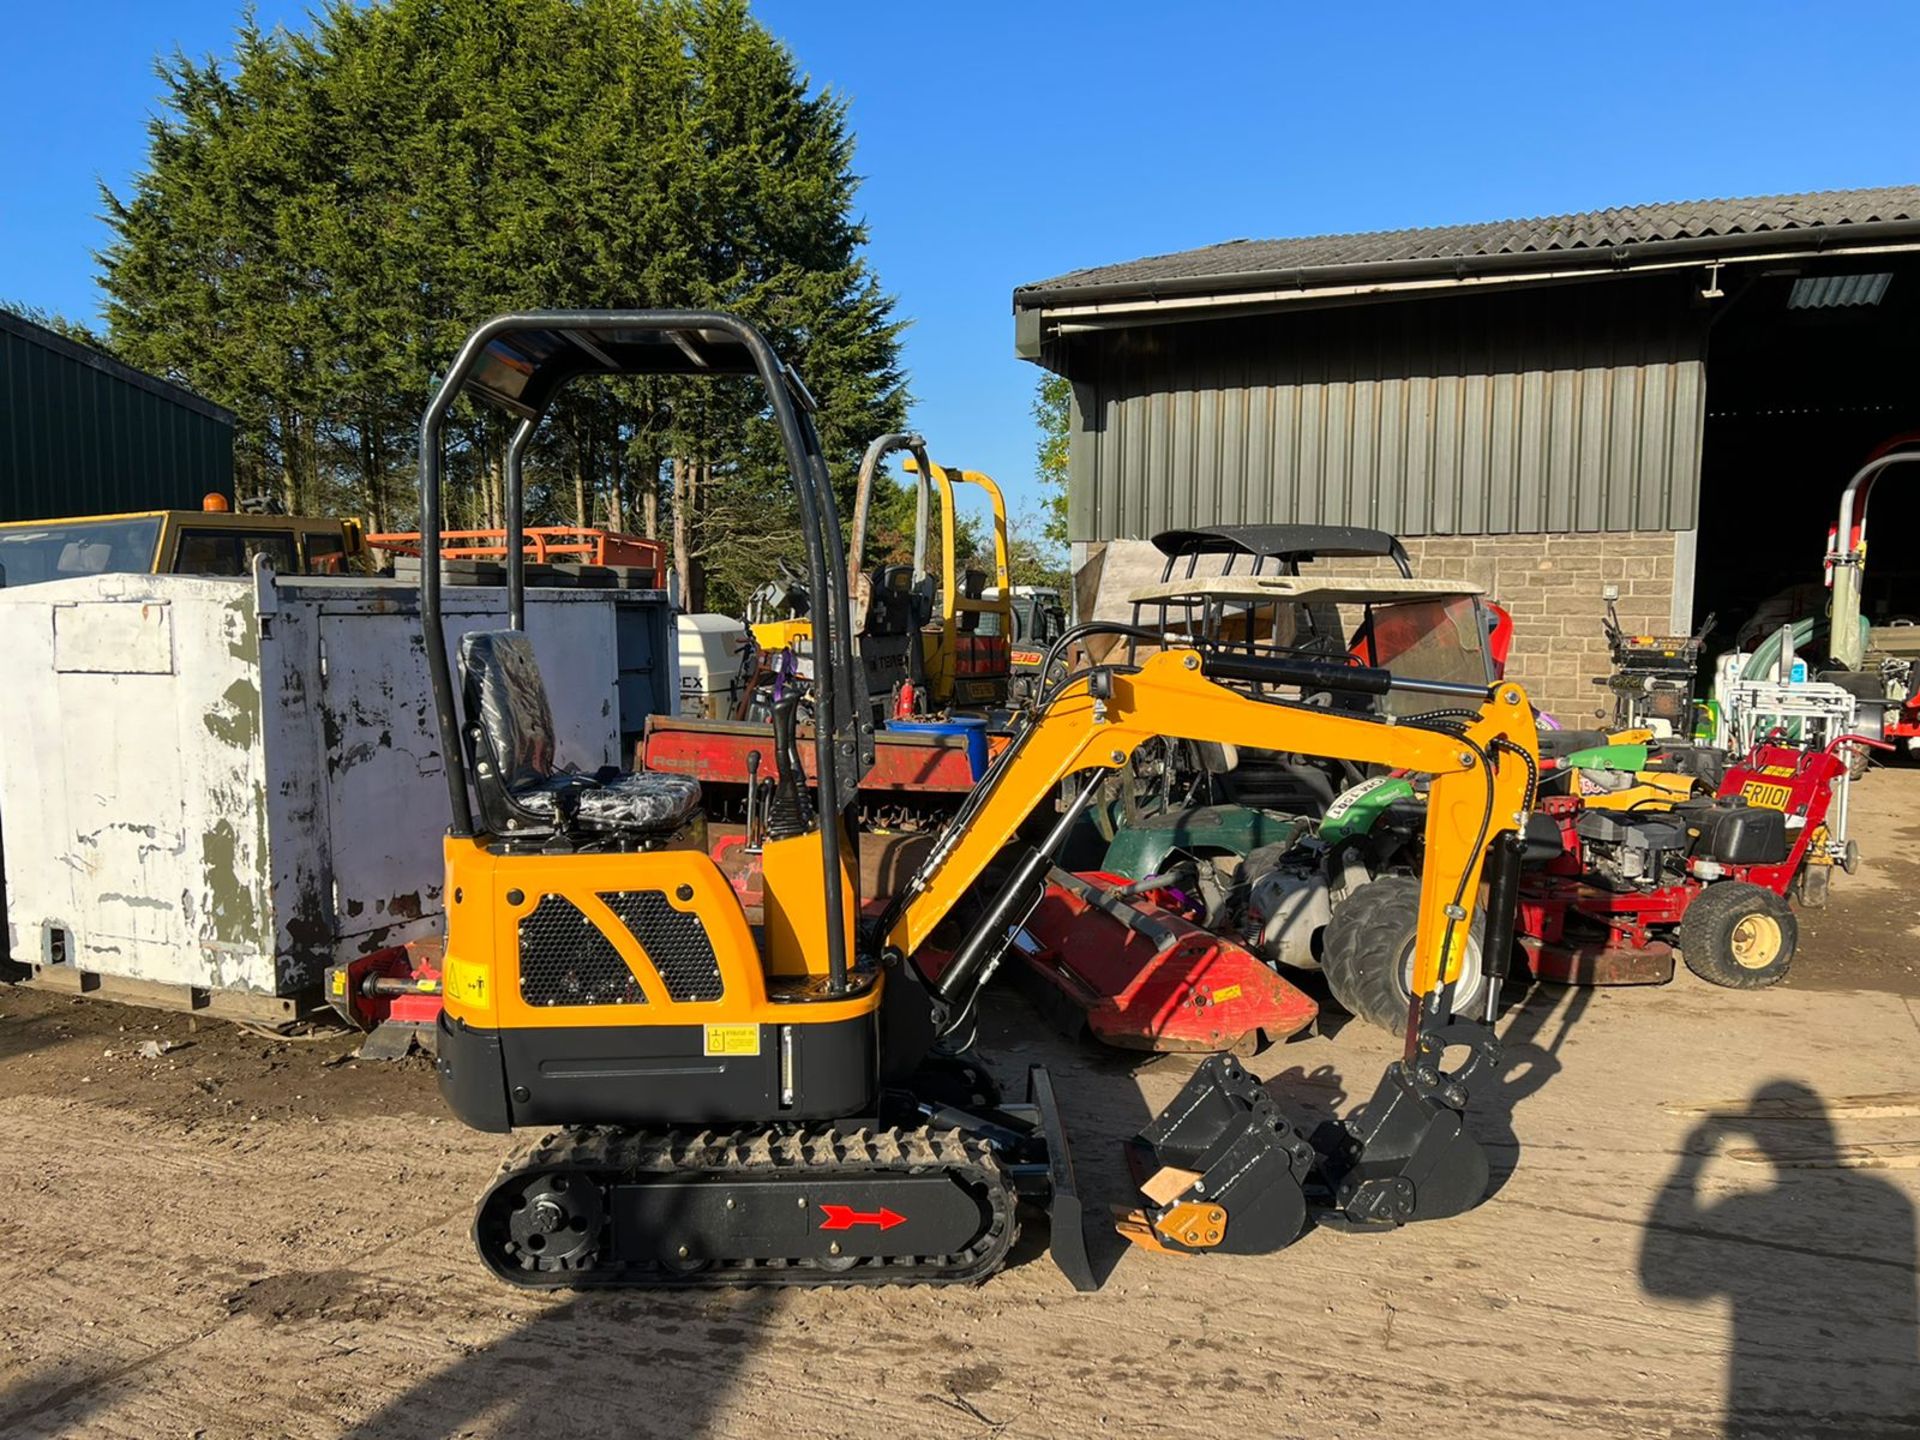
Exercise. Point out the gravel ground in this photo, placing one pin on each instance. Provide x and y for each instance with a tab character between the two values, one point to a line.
1704	1225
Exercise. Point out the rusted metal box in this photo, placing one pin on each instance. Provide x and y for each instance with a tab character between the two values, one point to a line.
215	788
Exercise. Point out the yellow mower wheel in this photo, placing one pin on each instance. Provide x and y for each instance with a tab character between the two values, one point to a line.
1738	935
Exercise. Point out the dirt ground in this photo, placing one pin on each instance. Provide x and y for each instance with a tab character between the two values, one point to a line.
1704	1225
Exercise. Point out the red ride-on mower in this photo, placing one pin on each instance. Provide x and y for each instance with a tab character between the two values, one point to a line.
1708	877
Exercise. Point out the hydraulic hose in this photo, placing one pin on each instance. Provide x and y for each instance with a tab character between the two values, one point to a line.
971	966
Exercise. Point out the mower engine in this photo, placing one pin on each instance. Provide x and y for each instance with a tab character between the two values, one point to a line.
1625	851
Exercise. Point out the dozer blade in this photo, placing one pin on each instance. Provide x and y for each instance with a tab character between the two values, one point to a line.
1408	1155
1220	1168
1066	1221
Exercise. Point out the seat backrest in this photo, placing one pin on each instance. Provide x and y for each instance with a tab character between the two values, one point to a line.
506	703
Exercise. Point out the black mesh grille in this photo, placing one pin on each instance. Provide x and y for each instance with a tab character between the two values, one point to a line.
675	941
565	960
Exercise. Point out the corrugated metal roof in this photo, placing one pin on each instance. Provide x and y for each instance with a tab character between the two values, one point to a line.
53	340
1789	216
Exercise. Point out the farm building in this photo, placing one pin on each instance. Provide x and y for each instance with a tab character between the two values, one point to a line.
1667	398
82	434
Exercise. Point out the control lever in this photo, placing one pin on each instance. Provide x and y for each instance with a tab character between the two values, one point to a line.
788	813
753	784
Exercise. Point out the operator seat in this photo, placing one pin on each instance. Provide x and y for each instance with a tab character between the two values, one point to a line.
510	742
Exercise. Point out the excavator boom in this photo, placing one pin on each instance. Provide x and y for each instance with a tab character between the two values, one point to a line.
1222	1168
1175	694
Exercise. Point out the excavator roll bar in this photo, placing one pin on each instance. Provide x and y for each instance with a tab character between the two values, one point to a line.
518	362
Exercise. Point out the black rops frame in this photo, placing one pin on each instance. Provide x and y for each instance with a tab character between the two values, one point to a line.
519	362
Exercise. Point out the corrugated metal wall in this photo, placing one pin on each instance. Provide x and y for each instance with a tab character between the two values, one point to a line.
81	434
1575	408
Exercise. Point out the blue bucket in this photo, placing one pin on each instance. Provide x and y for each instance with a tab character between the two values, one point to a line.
971	728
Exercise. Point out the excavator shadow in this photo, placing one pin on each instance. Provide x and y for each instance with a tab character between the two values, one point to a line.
1536	1027
572	1369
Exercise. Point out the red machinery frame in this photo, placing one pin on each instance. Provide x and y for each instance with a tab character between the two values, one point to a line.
1143	977
1904	723
715	752
1617	937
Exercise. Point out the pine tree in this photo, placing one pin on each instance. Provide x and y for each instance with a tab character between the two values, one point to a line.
325	215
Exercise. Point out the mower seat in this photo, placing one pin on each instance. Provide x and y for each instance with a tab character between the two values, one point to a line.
510	744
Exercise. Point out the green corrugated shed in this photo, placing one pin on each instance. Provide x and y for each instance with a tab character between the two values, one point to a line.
82	434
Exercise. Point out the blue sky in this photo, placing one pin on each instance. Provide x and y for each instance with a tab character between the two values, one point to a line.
1007	143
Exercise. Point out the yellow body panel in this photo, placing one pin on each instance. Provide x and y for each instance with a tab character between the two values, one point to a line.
481	967
791	874
783	634
1656	788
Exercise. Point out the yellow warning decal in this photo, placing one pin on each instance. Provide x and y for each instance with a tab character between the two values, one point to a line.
1226	993
733	1039
465	981
339	980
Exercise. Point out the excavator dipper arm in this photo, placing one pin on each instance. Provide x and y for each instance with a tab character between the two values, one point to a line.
1474	797
1222	1168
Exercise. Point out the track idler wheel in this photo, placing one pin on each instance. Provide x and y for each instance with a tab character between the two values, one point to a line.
552	1222
1219	1169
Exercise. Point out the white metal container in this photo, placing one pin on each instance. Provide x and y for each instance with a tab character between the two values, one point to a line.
224	786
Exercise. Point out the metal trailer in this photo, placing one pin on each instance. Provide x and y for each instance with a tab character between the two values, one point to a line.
212	789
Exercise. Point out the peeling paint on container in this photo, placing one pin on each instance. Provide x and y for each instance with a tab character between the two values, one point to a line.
262	794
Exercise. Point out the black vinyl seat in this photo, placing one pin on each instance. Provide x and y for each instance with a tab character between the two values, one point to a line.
511	746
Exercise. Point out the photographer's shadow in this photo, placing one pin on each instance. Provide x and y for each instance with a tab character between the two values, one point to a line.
1814	1256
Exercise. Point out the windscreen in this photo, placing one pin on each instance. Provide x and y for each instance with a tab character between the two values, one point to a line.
1426	640
30	554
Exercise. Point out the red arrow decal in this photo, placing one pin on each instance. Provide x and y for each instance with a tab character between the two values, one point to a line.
845	1217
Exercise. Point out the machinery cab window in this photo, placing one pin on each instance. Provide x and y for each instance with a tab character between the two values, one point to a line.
209	551
326	553
62	549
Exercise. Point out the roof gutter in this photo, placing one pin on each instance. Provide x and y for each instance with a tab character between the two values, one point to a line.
1442	270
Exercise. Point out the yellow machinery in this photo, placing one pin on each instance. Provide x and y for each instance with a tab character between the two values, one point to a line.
965	665
783	1095
213	540
917	655
1619	773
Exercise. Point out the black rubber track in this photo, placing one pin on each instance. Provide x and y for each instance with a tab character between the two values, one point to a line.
1366	938
1706	934
600	1157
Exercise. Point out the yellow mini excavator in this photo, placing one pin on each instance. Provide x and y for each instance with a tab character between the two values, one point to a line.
792	1101
921	652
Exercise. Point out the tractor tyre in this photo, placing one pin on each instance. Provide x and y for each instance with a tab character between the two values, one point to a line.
1368	956
1738	935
